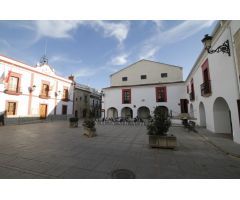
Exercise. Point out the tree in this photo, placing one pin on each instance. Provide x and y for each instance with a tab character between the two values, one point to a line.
160	123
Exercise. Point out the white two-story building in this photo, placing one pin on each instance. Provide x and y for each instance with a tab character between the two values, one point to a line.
137	89
28	92
213	83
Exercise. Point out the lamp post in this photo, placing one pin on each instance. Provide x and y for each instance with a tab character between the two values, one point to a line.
224	48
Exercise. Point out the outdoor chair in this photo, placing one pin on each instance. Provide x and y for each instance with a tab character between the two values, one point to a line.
190	126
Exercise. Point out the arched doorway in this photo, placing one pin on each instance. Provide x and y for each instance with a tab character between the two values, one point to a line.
127	112
191	113
202	115
164	109
222	116
112	113
143	112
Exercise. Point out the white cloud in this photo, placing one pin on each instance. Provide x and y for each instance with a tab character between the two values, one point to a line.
64	59
65	28
119	60
118	30
4	46
151	46
186	29
159	24
56	29
85	72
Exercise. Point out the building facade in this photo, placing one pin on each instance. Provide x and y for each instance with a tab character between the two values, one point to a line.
213	84
210	94
81	101
137	89
28	92
86	100
95	102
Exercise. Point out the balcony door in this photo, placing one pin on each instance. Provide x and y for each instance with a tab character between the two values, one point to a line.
205	75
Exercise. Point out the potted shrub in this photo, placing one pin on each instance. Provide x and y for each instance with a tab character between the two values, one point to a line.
73	122
158	129
89	127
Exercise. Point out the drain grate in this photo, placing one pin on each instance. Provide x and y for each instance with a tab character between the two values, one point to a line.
122	174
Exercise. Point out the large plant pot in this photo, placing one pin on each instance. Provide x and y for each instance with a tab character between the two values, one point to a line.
90	132
73	124
166	142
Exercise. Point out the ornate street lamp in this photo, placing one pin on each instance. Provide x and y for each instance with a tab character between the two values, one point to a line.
224	48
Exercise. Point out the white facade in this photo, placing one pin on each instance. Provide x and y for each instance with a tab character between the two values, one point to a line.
143	91
28	99
142	96
152	70
218	111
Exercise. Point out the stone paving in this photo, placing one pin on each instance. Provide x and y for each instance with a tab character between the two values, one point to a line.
52	150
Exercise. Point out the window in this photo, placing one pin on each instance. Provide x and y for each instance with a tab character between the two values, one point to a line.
187	89
161	94
124	78
85	99
45	90
76	99
143	76
11	108
192	93
64	109
164	75
206	85
65	94
126	96
13	84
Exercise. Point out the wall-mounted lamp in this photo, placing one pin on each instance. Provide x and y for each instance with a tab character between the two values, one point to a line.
31	89
224	48
57	93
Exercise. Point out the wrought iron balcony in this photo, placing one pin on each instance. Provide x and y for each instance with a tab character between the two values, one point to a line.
206	88
191	96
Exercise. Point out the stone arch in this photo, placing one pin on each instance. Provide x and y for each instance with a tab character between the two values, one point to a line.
165	110
127	112
202	115
112	112
222	116
143	112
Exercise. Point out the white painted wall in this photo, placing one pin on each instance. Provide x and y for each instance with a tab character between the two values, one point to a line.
224	81
23	100
153	71
143	96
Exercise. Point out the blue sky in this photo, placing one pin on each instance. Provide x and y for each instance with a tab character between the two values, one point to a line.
92	50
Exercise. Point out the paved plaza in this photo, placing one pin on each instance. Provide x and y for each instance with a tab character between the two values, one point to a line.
53	150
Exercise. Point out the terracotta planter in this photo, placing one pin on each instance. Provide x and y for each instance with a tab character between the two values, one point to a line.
73	124
90	132
166	142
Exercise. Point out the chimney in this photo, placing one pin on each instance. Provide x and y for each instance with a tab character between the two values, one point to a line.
71	78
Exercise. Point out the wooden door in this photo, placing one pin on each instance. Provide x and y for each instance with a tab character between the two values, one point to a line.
184	105
43	111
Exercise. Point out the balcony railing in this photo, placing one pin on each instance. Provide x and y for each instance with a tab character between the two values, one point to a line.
191	96
17	91
206	88
44	95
